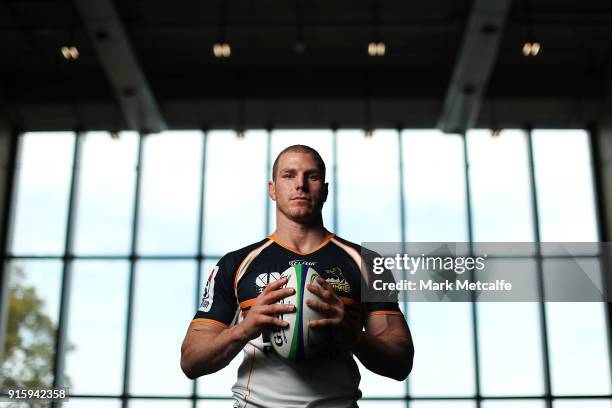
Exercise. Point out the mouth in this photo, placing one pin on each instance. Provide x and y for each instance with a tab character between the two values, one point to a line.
299	199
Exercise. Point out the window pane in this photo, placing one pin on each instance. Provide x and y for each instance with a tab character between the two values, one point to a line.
33	306
98	307
93	403
220	383
565	186
170	196
322	142
510	364
368	186
374	385
163	308
153	403
512	403
500	186
434	186
582	403
215	403
444	357
382	404
578	349
106	194
43	176
235	191
443	404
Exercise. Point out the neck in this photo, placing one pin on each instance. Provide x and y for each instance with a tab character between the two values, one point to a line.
301	236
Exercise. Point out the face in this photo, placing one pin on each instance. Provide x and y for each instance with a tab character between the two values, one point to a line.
299	189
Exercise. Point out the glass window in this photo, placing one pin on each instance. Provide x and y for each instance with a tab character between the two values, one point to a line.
155	403
565	186
368	186
214	403
163	308
582	403
93	403
382	404
434	186
500	186
322	142
510	348
578	349
444	349
33	305
96	327
513	403
106	194
43	180
170	196
443	404
235	186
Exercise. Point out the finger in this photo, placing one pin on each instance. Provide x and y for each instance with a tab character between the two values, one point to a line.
322	323
276	309
327	295
276	284
276	295
264	320
322	307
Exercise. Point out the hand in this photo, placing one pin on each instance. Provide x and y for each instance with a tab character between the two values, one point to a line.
345	322
261	314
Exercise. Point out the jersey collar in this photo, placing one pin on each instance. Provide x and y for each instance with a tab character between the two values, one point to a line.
328	238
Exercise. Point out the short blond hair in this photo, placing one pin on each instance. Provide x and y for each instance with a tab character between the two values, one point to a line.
298	148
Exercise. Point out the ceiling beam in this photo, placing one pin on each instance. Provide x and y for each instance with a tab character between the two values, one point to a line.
474	65
138	104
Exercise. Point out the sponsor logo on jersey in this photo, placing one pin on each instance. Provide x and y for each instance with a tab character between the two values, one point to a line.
263	279
209	291
337	280
300	261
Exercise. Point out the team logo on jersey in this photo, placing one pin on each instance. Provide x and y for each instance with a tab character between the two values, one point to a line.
209	291
337	280
300	261
263	279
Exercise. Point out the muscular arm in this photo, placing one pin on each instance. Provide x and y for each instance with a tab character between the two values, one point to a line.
386	347
208	348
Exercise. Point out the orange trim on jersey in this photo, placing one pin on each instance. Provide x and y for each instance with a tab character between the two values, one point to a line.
246	398
247	303
360	263
328	238
350	302
211	321
249	260
386	312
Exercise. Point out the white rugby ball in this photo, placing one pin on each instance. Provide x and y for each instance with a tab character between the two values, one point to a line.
297	341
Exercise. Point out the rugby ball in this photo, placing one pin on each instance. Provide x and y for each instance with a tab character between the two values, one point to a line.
297	341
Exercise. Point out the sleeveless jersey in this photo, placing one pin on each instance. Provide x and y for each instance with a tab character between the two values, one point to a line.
331	379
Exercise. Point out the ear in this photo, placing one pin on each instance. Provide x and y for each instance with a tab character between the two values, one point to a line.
325	191
272	190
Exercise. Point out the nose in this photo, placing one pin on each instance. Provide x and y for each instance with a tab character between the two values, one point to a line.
301	182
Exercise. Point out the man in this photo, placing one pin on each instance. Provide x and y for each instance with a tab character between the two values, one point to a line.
239	305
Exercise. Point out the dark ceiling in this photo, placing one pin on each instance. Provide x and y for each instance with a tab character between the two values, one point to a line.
304	63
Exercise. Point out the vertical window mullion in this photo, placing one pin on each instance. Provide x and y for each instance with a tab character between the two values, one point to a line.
62	332
468	197
132	272
539	270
